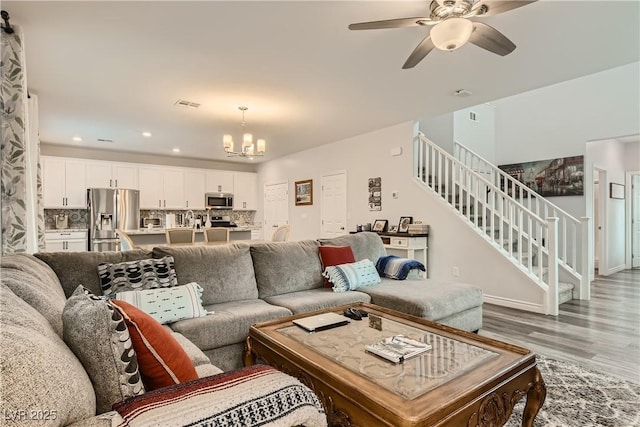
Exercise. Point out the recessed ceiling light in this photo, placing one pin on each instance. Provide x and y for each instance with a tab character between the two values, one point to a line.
146	134
176	150
77	139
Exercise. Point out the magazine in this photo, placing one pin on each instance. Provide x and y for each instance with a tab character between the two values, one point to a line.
398	348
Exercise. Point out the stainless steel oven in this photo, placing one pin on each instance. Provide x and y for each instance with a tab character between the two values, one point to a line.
218	200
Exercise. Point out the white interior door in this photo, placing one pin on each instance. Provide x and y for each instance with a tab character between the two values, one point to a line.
635	221
334	204
276	207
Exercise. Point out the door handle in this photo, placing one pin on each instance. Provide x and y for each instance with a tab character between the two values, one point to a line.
116	183
110	183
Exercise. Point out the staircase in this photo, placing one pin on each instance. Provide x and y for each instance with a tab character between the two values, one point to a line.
547	244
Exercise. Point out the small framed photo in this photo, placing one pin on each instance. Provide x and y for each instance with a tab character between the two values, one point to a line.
380	225
616	191
304	192
403	226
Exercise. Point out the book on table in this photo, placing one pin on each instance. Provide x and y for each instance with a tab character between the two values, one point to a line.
398	348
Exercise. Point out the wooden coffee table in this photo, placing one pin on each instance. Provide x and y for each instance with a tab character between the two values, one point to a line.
465	380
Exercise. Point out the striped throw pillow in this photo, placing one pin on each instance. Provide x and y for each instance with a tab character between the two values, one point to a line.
348	277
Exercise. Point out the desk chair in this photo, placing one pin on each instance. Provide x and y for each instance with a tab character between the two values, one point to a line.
281	234
216	234
126	244
180	235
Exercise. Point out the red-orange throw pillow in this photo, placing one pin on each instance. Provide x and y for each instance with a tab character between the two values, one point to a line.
161	360
335	255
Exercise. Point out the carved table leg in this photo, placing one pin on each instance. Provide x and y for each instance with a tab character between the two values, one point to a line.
535	398
249	358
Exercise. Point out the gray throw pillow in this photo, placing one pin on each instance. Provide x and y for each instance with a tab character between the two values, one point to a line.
98	336
137	275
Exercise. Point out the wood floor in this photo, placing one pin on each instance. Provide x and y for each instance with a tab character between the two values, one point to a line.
603	333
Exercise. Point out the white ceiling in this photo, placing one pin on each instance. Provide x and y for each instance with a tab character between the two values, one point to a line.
114	69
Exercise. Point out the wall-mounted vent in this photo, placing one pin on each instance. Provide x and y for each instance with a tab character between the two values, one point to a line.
186	104
104	140
473	116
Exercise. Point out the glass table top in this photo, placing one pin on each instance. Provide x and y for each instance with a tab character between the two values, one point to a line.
345	345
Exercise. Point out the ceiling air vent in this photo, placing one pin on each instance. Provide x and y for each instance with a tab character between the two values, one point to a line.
186	104
104	140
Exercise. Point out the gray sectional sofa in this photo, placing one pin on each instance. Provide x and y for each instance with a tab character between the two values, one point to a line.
243	283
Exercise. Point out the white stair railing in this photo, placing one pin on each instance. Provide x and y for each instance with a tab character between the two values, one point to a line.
498	217
572	233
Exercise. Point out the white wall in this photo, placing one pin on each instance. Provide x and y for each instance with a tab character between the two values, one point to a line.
609	155
451	243
558	120
480	135
632	156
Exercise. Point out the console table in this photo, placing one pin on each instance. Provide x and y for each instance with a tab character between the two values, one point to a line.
413	246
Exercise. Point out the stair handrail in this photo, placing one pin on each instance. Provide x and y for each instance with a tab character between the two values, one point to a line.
567	223
521	186
493	187
550	286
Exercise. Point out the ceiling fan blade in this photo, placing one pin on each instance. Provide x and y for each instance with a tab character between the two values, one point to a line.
390	23
419	53
493	7
487	37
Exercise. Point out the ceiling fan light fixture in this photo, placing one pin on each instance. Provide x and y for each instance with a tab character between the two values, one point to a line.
451	33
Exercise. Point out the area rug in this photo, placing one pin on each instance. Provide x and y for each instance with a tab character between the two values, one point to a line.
577	396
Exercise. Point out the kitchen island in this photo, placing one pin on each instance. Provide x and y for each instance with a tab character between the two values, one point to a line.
156	236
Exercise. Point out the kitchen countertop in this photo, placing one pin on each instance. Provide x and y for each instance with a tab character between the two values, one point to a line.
162	230
63	230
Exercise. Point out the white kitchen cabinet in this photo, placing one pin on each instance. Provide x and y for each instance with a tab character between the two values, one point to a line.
64	184
161	188
111	175
256	234
65	241
219	182
245	191
194	188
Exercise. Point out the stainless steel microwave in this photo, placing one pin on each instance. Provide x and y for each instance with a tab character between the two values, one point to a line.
218	200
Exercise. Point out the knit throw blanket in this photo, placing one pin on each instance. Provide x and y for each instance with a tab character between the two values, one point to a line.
397	268
253	396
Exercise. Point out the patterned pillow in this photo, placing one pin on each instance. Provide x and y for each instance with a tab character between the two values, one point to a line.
163	362
137	275
348	277
397	268
335	255
98	336
167	305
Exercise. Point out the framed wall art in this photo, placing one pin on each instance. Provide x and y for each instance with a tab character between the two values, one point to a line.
554	177
304	192
375	194
616	191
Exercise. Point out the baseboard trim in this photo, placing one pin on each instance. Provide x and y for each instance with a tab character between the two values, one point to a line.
615	270
512	303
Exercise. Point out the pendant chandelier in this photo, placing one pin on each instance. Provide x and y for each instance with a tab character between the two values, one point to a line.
248	149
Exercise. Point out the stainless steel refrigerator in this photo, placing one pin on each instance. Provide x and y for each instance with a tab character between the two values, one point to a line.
110	209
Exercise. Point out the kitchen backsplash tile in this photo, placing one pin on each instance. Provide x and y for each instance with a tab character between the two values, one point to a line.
77	218
239	217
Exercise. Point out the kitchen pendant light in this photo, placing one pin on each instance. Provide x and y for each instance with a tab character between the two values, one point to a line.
248	148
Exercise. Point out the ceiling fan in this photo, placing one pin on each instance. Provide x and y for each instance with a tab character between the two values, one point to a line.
453	28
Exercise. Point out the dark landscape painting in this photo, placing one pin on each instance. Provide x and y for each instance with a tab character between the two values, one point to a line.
555	177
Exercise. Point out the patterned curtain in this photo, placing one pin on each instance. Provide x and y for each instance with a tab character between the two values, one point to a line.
21	212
